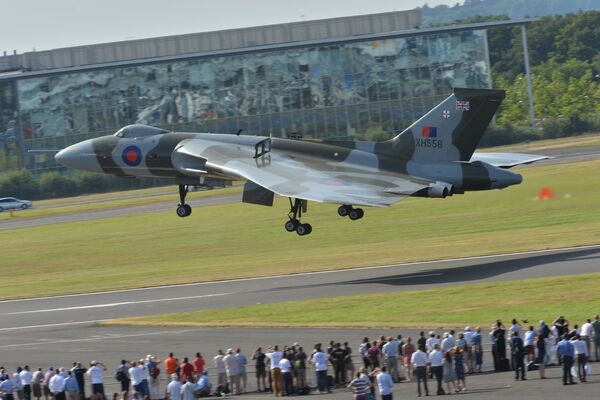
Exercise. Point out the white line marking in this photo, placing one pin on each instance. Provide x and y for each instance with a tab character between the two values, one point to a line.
16	328
116	304
93	339
311	273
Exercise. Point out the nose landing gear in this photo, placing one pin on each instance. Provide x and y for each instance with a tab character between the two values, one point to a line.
296	208
352	213
183	209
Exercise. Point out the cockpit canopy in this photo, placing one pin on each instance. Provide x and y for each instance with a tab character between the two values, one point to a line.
139	131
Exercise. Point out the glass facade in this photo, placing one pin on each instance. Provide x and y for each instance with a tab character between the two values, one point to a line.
333	90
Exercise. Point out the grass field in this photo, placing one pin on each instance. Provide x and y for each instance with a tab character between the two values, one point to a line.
241	240
480	304
591	139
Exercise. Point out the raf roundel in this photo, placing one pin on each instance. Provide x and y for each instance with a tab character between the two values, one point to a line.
132	156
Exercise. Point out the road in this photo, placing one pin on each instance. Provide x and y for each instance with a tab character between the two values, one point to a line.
60	330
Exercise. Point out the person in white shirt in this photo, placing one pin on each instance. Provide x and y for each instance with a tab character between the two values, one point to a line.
581	355
431	341
96	374
319	360
233	371
529	343
515	327
469	349
187	390
587	332
419	360
436	362
274	356
174	388
447	343
16	377
57	385
220	369
390	353
385	384
137	375
26	379
286	373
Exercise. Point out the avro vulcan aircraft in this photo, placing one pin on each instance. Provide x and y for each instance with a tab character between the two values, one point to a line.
434	157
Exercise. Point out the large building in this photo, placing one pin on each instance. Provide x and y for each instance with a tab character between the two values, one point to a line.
338	77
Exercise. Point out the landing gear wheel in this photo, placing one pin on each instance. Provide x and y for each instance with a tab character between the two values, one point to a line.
291	225
343	211
184	210
356	213
303	229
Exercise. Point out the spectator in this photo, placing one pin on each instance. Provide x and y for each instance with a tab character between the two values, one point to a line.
122	376
468	335
7	387
544	330
57	385
596	326
204	386
518	353
260	368
500	347
188	389
337	358
431	341
478	349
515	327
174	387
565	353
286	374
47	376
319	360
242	361
171	364
390	352
349	365
419	361
374	355
581	354
96	374
540	344
386	384
186	370
459	368
360	386
529	343
79	371
561	325
408	350
422	342
36	384
153	373
587	332
274	356
300	358
447	343
198	363
363	349
233	371
436	362
26	376
18	384
71	387
138	380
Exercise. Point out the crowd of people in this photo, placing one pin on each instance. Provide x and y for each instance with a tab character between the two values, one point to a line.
447	357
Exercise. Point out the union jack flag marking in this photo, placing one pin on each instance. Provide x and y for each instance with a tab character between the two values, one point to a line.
462	105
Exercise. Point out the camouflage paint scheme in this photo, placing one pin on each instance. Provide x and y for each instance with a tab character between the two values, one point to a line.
433	157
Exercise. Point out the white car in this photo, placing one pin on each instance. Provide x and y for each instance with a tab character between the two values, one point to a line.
10	203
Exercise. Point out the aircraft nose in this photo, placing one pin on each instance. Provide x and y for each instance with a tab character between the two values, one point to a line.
79	156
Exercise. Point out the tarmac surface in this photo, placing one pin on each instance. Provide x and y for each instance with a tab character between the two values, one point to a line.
60	330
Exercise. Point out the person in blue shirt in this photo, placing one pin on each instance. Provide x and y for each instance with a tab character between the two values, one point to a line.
7	387
477	349
565	353
71	386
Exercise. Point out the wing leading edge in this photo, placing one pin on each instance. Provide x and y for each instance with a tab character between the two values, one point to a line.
304	176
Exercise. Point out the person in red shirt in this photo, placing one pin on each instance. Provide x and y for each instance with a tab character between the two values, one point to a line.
171	364
199	364
187	371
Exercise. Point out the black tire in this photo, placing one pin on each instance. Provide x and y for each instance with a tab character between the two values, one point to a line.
182	211
24	207
308	228
301	230
361	213
188	209
354	215
291	225
343	211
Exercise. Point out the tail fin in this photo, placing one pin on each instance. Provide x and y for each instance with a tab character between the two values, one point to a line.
451	130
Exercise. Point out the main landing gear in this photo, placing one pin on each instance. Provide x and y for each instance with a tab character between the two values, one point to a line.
352	213
296	208
183	209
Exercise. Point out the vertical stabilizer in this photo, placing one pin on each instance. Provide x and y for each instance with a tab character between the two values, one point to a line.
450	131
